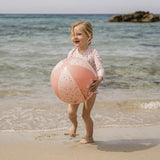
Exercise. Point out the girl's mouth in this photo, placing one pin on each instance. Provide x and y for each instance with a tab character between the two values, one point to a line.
77	41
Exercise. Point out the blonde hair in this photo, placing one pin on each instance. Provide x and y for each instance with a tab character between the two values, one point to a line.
86	27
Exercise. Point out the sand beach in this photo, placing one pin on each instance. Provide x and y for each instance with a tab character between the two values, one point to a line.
141	143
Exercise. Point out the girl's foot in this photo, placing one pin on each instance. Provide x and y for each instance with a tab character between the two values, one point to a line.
72	131
86	140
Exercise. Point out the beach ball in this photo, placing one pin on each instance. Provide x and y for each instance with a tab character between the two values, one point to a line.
71	78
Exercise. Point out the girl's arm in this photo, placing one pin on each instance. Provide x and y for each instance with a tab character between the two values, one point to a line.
99	70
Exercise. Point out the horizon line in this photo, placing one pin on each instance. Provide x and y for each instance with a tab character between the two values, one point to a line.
29	13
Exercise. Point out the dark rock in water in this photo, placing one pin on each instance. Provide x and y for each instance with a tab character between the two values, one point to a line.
139	16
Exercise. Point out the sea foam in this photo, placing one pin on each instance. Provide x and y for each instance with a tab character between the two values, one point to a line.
150	105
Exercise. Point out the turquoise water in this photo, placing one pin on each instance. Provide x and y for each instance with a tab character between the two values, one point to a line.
31	45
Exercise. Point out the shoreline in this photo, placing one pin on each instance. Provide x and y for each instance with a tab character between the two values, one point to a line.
142	143
113	108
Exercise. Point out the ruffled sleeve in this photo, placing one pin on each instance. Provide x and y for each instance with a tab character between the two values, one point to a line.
70	54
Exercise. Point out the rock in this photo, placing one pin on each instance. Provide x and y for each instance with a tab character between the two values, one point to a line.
139	16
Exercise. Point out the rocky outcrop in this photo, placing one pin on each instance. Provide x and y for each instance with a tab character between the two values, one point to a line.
139	16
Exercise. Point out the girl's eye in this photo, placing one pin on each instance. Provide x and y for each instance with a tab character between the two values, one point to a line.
79	34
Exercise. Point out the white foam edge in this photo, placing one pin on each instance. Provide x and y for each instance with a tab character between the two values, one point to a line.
150	105
33	131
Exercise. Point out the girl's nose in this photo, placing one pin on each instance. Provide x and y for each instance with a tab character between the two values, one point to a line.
75	36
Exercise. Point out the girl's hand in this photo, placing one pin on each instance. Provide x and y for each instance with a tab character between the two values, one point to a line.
95	83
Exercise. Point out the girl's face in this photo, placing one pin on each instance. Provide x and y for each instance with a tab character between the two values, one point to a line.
79	38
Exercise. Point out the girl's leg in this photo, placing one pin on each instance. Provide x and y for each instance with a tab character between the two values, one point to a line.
88	105
72	114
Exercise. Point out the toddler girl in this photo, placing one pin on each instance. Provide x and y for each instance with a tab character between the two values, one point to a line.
81	36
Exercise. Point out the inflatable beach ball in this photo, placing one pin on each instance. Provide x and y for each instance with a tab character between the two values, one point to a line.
71	78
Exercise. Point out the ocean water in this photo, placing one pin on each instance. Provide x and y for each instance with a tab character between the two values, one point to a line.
31	45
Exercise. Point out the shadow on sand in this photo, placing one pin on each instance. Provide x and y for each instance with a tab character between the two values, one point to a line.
129	145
